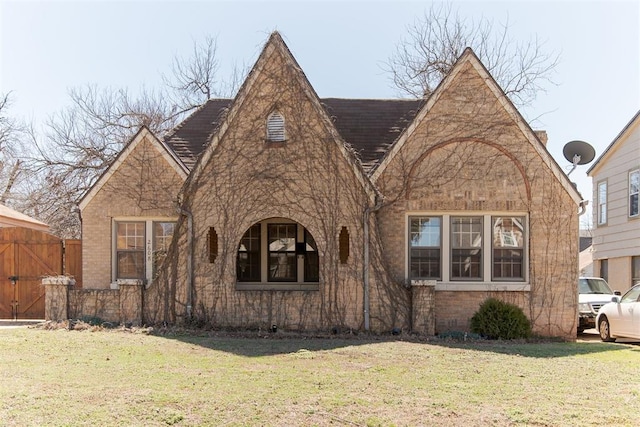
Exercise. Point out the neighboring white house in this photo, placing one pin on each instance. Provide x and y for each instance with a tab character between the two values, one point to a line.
13	218
616	215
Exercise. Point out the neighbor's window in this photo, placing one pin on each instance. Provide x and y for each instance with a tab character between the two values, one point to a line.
466	248
508	247
604	269
130	260
634	190
635	270
275	127
277	251
425	247
602	202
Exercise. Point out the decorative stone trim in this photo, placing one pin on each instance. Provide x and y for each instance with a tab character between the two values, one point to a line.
59	280
56	305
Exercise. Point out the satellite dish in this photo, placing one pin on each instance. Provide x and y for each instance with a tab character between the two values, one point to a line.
578	153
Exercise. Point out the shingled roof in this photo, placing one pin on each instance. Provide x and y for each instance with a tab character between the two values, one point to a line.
370	126
189	138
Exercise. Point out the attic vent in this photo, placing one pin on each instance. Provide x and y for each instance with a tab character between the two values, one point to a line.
275	127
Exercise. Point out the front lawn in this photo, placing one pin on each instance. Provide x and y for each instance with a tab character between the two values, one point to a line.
62	377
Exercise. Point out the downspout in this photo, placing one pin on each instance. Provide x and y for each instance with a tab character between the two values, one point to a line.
366	259
189	215
583	207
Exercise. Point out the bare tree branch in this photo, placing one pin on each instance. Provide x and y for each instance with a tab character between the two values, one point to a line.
82	140
435	41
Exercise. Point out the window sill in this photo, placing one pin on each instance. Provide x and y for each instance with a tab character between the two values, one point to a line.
484	286
276	286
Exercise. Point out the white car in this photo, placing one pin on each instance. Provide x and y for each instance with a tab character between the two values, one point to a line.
621	317
593	293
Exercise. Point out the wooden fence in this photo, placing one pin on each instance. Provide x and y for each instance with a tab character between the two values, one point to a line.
26	256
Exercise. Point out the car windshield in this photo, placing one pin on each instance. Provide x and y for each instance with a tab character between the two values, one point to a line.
593	286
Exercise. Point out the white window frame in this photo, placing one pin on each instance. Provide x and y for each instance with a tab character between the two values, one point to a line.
602	204
149	245
419	247
634	193
486	283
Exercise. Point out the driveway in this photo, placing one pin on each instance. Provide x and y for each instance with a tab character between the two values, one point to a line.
591	335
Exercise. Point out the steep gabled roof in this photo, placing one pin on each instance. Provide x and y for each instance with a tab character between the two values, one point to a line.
369	126
469	57
190	137
143	133
635	121
274	45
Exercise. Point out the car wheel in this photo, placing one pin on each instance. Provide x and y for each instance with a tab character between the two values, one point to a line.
580	331
605	330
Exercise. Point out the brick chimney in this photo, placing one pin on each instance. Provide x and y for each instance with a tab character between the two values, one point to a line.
542	136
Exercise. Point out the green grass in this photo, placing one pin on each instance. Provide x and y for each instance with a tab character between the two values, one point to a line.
74	378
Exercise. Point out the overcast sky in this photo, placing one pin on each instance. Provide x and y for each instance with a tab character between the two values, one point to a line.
46	48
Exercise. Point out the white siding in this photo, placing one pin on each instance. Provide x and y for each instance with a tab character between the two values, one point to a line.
620	237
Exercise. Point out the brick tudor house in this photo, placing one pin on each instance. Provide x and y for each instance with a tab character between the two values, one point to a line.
281	208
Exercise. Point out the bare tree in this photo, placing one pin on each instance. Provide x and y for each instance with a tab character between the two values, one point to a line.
11	166
82	140
435	41
193	80
196	79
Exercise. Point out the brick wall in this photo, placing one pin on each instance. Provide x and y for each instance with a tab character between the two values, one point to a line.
119	306
144	185
307	179
469	157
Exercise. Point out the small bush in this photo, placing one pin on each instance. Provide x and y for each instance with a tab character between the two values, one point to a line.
497	319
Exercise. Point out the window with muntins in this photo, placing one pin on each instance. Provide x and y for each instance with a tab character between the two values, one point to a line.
283	265
248	263
275	127
424	247
452	248
140	246
277	252
466	248
602	202
508	248
634	191
130	238
311	259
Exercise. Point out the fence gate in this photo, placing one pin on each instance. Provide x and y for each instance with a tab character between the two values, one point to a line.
25	257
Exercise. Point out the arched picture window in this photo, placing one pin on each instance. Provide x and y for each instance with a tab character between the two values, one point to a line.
275	127
278	251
